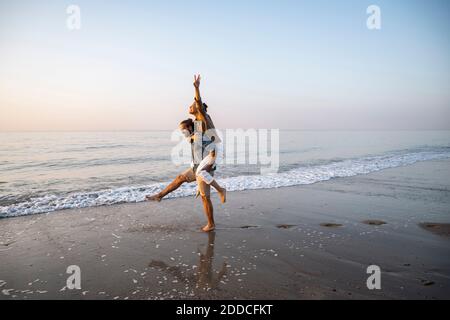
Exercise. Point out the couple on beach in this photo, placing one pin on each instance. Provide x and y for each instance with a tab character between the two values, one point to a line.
203	138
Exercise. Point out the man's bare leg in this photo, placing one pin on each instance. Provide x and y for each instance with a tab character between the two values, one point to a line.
209	212
174	185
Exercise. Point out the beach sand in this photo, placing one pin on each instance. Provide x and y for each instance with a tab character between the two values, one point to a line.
304	242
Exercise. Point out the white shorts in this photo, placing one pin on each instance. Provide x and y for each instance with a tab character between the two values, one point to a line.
201	173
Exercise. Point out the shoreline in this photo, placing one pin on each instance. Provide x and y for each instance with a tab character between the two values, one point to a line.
44	202
302	242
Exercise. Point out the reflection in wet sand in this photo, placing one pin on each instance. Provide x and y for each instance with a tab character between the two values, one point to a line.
205	278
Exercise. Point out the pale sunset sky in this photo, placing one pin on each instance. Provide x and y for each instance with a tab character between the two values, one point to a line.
311	65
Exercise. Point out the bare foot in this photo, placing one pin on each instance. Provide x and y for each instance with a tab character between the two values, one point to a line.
208	228
223	195
153	198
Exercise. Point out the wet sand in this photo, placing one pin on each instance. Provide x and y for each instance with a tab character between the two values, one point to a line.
305	242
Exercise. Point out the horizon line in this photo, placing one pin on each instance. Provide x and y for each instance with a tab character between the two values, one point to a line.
159	130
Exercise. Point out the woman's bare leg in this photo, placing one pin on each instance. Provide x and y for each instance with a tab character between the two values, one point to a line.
222	191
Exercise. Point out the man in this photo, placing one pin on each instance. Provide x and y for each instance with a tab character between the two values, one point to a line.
208	136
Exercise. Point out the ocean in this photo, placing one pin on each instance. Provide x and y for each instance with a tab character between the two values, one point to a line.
41	172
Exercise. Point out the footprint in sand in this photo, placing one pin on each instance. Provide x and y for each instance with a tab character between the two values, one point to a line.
374	222
441	229
331	225
285	226
249	227
427	282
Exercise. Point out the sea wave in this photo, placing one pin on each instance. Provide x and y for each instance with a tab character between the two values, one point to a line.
306	174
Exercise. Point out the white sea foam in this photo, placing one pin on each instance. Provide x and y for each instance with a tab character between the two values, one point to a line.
298	176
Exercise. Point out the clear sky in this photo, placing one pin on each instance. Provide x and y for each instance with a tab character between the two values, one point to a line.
265	64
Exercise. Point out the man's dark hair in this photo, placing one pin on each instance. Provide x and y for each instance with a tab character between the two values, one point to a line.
188	123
